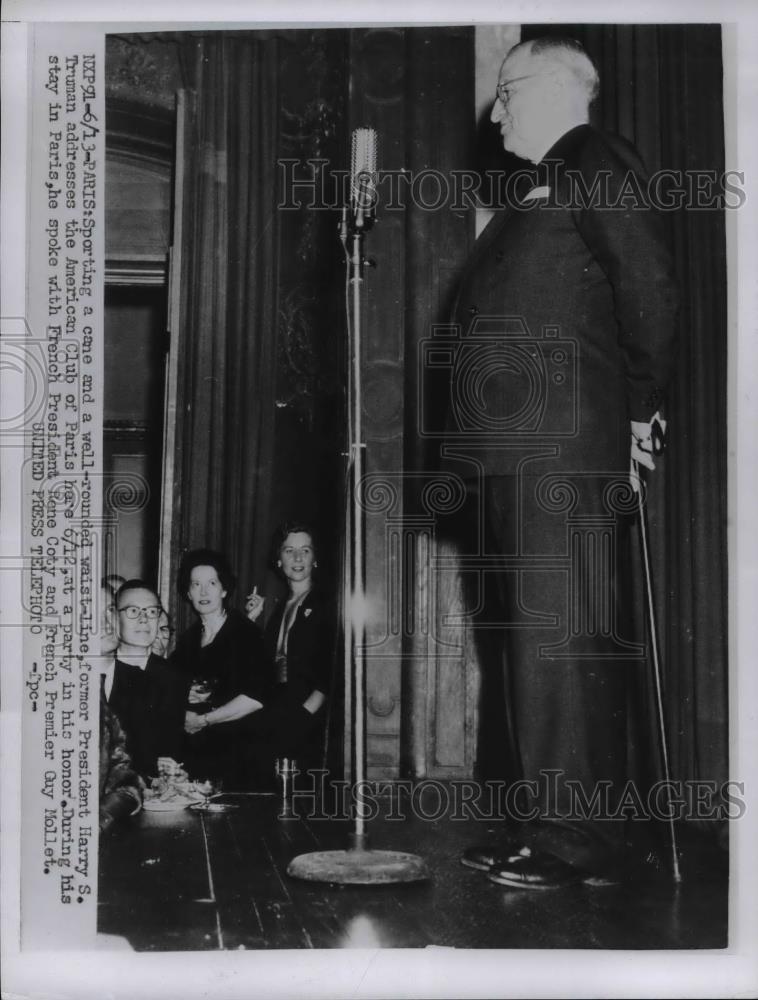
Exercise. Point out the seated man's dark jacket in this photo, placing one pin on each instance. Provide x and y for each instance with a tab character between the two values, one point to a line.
150	706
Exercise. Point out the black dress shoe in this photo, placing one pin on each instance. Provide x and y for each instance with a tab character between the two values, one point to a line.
492	854
535	871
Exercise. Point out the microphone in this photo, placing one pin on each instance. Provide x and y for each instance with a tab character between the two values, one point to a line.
363	177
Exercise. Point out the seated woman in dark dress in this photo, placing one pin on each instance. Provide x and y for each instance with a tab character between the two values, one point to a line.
227	671
299	638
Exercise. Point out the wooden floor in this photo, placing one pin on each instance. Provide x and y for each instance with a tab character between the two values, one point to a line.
189	881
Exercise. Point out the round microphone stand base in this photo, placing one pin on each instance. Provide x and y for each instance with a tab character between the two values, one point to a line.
358	866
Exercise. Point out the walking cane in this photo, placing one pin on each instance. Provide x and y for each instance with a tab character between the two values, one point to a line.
657	442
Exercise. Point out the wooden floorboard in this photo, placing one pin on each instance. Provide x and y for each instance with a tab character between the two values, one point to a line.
154	882
154	890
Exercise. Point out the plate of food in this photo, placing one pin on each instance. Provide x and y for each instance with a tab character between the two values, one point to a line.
212	807
168	803
171	790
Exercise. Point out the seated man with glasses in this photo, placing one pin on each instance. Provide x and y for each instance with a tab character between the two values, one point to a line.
145	692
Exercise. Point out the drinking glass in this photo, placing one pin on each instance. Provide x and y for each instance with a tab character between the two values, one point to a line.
208	789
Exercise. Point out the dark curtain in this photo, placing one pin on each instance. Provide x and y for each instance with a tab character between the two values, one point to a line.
661	87
440	81
228	311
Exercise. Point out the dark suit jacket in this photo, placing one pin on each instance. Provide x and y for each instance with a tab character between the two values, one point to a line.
309	647
149	704
167	690
566	315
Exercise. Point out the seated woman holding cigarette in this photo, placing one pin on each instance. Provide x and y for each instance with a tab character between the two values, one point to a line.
299	638
227	671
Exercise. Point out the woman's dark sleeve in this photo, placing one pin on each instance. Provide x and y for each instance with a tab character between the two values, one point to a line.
324	640
253	670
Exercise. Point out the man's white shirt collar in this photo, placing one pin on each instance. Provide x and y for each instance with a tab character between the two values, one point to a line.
134	659
108	682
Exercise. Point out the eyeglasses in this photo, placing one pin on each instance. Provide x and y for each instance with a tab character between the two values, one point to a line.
133	612
502	88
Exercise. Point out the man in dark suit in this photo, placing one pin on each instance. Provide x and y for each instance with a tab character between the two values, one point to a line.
146	693
565	325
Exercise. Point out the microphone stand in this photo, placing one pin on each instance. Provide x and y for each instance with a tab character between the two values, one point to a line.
356	606
358	865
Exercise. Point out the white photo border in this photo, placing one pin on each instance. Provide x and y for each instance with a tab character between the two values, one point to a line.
433	971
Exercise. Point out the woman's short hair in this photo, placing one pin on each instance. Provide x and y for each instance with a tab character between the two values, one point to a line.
290	528
204	557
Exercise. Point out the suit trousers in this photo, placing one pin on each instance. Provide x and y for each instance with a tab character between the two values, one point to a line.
547	590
